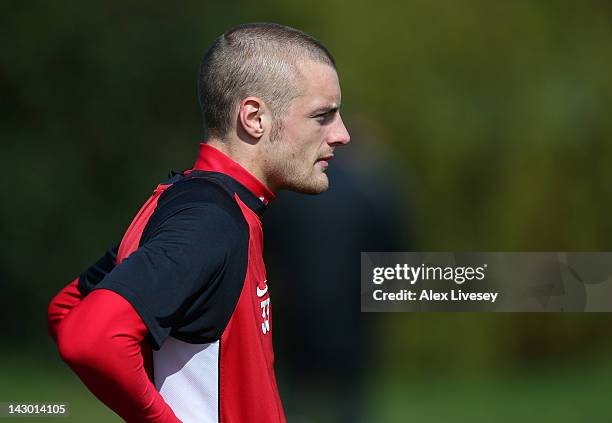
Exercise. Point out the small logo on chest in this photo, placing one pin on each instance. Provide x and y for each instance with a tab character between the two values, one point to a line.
262	289
262	292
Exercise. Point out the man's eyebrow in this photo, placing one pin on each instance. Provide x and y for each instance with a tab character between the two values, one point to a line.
325	109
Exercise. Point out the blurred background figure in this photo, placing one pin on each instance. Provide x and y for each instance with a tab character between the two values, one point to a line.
313	244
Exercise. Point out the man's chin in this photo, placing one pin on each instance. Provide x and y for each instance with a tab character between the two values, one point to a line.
312	187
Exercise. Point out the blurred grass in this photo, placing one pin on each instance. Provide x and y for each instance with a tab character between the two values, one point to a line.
558	393
30	380
576	393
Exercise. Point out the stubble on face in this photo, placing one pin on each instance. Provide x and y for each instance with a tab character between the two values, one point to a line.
289	167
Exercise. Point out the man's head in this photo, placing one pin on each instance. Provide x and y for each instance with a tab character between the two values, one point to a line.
272	91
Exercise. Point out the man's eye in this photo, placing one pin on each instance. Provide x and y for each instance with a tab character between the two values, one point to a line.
325	117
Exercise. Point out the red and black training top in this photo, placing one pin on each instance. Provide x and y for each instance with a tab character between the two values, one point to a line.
191	266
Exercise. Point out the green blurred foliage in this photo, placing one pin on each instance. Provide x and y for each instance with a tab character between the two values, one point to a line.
497	109
495	112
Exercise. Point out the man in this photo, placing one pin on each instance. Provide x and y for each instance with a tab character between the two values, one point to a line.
188	279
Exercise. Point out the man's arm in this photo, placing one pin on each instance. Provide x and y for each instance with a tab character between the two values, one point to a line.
101	341
62	304
72	294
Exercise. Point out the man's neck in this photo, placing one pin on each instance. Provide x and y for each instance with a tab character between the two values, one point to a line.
244	155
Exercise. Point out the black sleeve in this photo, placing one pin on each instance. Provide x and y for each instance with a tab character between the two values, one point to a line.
185	280
96	272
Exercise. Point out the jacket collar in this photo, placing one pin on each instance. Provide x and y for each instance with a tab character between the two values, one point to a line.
212	160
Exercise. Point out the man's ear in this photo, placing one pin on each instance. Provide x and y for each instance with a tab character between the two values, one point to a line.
254	117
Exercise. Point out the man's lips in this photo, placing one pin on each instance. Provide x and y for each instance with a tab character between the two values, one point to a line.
325	159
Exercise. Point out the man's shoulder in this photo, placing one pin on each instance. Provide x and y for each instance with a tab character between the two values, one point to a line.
199	202
196	189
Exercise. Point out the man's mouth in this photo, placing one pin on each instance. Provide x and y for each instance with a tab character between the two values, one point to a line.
324	161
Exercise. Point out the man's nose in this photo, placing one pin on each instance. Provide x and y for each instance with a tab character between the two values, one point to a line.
340	134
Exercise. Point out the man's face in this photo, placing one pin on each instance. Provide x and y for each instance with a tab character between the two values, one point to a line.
298	152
